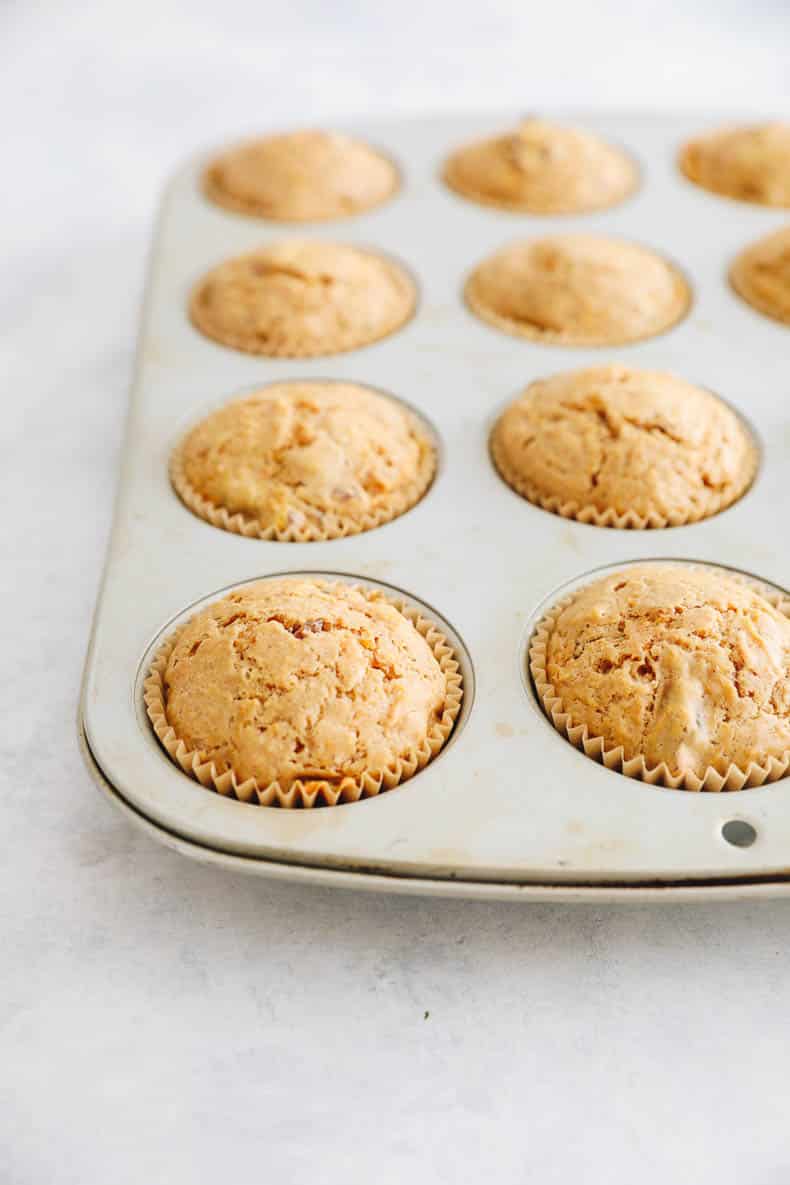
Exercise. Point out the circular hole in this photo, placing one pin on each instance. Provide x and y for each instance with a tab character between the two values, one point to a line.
738	833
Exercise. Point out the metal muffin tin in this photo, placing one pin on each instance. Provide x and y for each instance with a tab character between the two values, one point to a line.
509	808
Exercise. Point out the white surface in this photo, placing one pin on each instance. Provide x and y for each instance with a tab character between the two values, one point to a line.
508	798
165	1022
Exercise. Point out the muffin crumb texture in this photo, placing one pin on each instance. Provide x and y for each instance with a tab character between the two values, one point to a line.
303	461
761	275
302	298
542	168
578	290
301	177
301	690
615	446
749	163
679	667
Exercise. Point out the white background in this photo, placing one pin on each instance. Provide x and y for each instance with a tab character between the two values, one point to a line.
164	1022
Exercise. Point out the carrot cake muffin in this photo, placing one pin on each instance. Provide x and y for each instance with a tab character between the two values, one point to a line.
300	177
761	275
299	299
675	673
749	163
578	290
621	447
542	168
304	461
297	691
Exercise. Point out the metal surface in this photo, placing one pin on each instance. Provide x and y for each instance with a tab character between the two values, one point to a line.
509	808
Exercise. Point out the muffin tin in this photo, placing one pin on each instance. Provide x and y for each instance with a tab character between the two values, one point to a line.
509	808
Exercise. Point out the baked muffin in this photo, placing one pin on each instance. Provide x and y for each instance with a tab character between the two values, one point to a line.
578	290
300	461
673	673
302	298
297	691
300	177
620	447
750	163
761	275
542	168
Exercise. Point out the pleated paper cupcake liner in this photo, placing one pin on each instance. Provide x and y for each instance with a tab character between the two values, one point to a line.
334	525
622	520
614	758
306	793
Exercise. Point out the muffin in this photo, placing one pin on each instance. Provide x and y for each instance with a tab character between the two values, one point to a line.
300	299
761	275
299	461
300	177
751	163
672	673
578	290
620	447
542	168
297	691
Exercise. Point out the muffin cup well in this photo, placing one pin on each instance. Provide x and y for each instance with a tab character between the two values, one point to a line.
334	525
594	516
734	778
310	793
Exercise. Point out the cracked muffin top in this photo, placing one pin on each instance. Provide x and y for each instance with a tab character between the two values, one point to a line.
749	163
625	444
542	168
578	290
680	664
305	460
296	678
761	275
302	298
300	177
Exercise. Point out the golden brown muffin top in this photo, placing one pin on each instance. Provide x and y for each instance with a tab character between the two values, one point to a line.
301	460
300	177
761	275
680	664
542	168
647	446
749	163
578	290
299	678
302	298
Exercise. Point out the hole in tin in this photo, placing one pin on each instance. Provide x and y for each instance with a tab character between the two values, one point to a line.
738	833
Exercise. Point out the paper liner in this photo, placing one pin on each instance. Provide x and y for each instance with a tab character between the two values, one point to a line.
220	196
334	525
560	337
622	520
309	793
637	767
286	343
